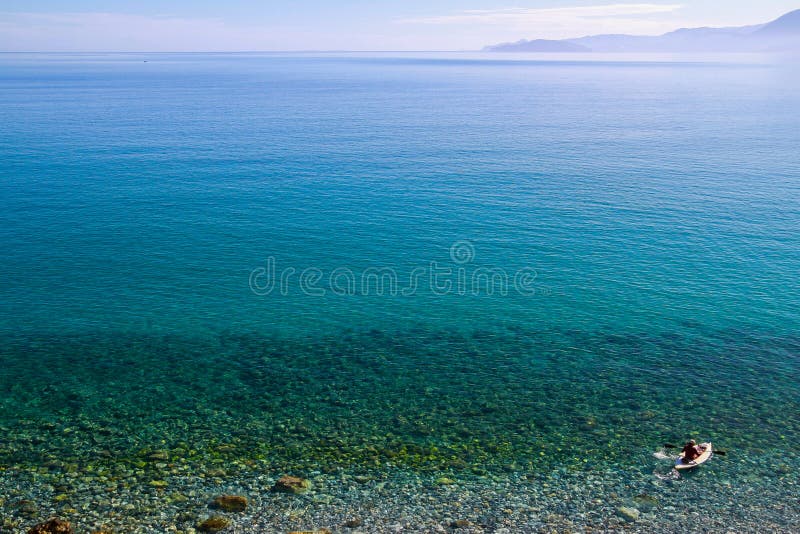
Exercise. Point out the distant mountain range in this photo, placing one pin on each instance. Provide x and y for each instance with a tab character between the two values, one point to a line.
779	35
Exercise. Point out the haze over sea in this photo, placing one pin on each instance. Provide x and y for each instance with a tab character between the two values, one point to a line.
593	256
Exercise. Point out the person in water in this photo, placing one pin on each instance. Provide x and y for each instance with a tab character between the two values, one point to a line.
692	451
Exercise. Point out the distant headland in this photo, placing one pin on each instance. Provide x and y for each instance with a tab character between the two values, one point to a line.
780	35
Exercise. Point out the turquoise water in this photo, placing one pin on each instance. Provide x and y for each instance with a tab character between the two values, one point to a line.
645	215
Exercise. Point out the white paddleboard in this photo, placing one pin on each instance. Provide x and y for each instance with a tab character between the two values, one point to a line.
680	465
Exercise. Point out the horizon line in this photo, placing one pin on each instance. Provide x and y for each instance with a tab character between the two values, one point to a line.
315	51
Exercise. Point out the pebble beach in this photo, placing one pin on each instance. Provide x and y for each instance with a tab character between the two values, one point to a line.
610	501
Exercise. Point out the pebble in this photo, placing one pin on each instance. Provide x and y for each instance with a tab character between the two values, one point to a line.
289	484
214	524
27	507
628	513
230	503
53	526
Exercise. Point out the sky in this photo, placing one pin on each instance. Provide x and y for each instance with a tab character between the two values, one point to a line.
282	25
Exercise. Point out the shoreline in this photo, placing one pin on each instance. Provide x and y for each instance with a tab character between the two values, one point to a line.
399	501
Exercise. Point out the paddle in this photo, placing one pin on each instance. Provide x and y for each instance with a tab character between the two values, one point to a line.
671	446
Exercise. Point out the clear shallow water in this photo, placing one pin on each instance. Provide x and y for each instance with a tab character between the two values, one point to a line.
653	204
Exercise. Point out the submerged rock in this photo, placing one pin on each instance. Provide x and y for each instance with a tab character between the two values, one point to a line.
645	501
27	507
53	526
158	456
230	503
628	513
213	524
288	484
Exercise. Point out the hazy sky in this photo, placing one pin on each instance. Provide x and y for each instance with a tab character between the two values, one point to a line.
202	25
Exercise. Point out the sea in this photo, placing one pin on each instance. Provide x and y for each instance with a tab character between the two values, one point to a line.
481	265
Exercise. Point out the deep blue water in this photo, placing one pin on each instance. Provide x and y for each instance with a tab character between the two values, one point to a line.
141	195
652	207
